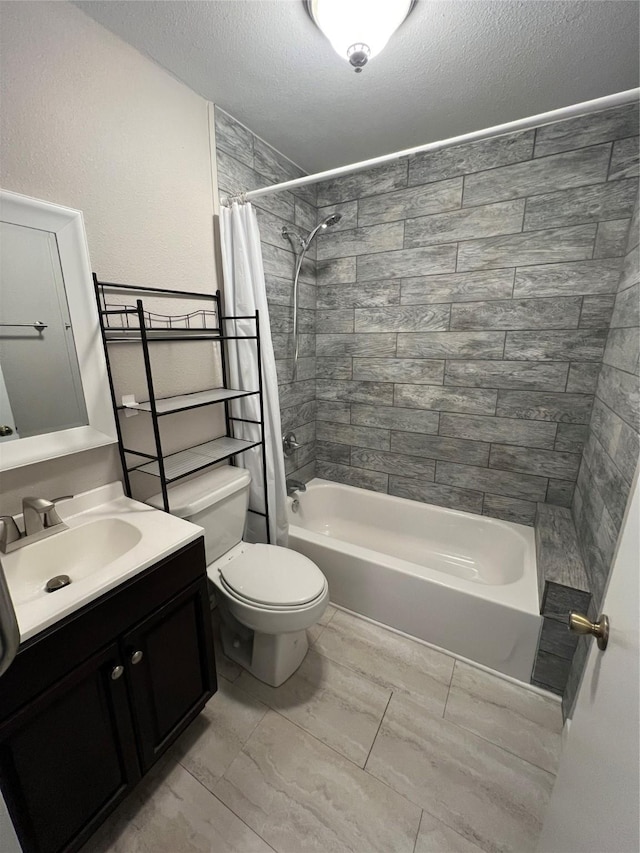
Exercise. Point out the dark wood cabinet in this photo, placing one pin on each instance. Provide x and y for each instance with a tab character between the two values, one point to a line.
73	749
69	757
167	671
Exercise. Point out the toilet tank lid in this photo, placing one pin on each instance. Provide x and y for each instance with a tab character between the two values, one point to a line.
193	496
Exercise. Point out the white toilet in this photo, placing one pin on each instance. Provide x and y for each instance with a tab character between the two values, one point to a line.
268	596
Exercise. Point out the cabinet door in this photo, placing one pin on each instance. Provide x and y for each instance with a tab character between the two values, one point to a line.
170	669
68	757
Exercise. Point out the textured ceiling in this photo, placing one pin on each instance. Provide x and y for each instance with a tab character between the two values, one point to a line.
452	67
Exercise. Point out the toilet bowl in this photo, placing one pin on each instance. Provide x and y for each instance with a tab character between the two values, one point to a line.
267	595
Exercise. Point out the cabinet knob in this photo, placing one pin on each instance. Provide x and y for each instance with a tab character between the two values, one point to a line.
136	657
116	672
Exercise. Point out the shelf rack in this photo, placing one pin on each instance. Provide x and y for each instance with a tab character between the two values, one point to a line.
125	324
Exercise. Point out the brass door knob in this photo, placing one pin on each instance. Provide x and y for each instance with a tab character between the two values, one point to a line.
579	624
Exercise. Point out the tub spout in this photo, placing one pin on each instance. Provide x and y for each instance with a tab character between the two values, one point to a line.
294	486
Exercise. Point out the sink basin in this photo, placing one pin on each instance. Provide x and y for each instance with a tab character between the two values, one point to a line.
77	552
110	539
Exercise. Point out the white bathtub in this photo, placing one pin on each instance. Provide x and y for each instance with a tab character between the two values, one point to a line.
463	582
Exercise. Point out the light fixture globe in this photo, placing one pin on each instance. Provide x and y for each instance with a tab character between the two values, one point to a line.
358	29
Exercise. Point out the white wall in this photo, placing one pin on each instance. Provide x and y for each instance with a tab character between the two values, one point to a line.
90	123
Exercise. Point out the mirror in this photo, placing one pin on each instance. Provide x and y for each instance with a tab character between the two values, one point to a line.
54	393
40	388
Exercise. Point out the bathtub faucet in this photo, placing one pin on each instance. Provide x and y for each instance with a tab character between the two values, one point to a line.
294	486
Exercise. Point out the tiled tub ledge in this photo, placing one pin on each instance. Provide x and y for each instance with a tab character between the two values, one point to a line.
563	586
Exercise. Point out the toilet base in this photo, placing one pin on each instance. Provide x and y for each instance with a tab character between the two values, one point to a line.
271	658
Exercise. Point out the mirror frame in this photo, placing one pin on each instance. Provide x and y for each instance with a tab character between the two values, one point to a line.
68	226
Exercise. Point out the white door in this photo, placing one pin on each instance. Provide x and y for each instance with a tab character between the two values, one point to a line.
594	807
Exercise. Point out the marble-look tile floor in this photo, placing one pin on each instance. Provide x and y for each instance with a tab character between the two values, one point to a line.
377	744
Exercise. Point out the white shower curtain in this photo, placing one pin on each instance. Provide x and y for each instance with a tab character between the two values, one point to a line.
245	292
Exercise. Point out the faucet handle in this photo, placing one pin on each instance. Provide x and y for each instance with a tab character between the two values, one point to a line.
10	532
51	517
289	443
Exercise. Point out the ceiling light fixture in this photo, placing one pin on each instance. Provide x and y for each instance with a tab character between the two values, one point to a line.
358	29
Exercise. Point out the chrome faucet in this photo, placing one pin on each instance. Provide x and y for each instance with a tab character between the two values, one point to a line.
39	514
40	519
294	486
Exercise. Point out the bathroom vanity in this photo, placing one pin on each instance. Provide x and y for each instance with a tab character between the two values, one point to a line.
115	656
92	700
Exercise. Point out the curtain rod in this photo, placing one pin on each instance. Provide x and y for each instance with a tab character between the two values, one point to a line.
607	101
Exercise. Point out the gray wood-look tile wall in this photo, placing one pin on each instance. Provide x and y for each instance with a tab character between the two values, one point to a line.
463	312
245	162
455	321
612	445
563	586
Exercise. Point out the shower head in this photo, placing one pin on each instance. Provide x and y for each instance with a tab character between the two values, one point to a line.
305	242
333	219
330	220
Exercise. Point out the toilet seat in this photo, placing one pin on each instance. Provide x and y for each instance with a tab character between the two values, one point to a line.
287	620
274	608
273	578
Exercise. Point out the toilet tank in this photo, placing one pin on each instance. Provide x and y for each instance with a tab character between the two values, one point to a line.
217	501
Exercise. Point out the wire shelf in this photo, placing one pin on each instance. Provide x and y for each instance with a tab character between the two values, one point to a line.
185	462
126	318
183	402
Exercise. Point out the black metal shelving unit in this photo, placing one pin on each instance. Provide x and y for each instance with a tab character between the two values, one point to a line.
124	323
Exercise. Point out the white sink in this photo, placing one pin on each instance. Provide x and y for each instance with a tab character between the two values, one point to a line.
77	552
110	539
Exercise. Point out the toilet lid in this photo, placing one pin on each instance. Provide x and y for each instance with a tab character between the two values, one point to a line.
271	575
